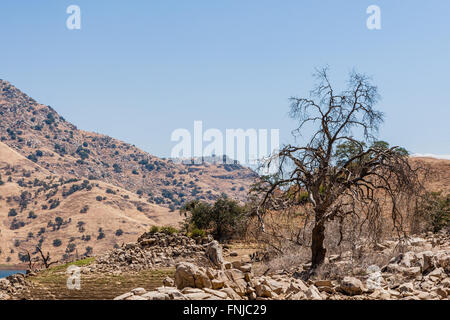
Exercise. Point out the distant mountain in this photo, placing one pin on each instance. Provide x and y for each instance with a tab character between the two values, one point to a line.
75	192
39	133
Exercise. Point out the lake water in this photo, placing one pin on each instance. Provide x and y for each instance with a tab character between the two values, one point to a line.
7	273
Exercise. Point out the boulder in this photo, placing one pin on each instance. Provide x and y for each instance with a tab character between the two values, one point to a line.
184	275
231	294
406	287
168	282
124	296
275	286
197	296
323	283
139	291
412	272
263	290
234	274
427	261
313	293
351	286
155	295
219	294
436	274
202	280
214	254
217	284
189	275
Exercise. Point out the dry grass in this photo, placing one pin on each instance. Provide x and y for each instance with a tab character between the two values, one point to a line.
51	284
118	211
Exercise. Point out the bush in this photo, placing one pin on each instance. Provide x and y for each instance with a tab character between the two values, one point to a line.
99	198
198	233
12	213
434	211
117	168
32	215
101	234
54	204
168	230
57	243
70	247
154	229
119	232
224	219
32	157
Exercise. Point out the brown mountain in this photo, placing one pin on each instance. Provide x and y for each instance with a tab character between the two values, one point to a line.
74	191
67	216
39	133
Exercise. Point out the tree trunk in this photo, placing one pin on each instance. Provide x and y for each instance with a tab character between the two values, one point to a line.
317	249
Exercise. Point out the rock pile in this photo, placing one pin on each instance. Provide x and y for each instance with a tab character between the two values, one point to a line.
153	250
12	285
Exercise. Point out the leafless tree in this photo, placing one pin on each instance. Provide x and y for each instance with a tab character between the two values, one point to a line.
342	170
46	258
30	260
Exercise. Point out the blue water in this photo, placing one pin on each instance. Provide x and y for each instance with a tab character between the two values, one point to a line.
7	273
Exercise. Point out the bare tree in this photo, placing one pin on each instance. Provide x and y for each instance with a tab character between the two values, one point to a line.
30	260
46	259
343	170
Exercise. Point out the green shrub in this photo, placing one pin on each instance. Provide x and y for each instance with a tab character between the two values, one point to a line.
198	233
57	243
435	211
225	219
168	230
154	229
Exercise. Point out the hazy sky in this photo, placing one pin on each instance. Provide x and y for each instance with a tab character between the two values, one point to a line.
137	70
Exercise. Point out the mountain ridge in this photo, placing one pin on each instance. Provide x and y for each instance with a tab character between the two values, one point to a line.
29	127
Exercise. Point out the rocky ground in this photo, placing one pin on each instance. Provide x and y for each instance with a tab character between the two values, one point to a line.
421	271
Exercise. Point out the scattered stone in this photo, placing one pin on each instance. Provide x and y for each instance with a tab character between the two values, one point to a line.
214	253
351	286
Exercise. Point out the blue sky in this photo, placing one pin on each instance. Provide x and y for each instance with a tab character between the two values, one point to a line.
137	70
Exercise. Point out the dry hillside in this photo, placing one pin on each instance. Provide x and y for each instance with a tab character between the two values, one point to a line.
75	192
38	207
39	133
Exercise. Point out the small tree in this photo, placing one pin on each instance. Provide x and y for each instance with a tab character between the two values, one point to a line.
434	210
223	219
